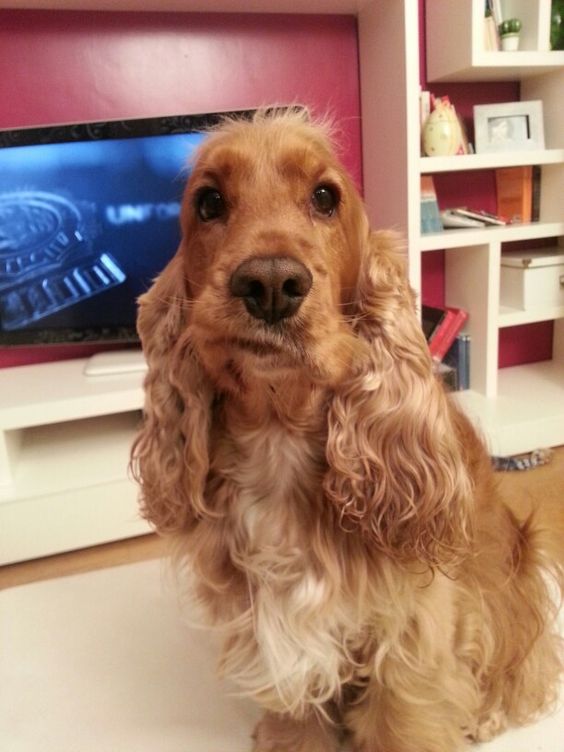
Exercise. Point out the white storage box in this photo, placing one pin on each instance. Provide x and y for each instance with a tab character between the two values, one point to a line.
534	278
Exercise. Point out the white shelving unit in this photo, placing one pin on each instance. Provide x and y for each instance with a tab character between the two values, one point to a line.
64	451
519	408
65	438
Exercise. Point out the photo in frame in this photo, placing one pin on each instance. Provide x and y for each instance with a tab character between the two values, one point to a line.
509	126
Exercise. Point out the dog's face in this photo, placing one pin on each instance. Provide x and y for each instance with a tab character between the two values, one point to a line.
272	236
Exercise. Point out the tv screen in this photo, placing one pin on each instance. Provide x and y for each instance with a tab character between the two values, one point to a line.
89	215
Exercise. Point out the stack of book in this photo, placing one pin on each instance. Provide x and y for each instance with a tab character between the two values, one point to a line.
430	215
448	345
458	358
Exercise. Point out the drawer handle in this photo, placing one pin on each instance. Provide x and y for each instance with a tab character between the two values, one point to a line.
561	280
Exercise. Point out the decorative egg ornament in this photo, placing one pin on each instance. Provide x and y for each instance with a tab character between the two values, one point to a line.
442	135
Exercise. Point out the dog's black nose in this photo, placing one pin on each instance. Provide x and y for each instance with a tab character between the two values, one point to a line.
272	288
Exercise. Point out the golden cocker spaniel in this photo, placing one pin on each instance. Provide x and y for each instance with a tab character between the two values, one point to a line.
337	513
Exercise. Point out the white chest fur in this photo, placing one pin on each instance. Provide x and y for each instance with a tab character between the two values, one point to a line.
301	630
275	477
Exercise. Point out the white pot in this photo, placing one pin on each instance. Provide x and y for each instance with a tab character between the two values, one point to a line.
510	42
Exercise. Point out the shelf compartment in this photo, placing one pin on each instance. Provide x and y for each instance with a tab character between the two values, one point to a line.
527	413
455	49
69	456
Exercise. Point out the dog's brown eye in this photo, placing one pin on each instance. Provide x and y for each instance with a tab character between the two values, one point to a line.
210	204
325	199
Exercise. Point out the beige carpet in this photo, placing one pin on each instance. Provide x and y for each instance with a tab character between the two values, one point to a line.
102	662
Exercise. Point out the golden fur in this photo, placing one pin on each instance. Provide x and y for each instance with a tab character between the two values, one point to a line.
338	515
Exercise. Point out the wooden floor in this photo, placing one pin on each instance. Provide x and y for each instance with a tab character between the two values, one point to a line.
85	560
542	488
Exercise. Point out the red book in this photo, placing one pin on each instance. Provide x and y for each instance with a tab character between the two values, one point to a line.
447	331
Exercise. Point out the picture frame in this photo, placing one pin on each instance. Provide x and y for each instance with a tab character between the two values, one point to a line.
508	126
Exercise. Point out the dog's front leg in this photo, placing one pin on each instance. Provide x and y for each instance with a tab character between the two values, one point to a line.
281	733
410	718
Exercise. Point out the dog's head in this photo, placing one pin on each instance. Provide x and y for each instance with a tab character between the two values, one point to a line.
273	231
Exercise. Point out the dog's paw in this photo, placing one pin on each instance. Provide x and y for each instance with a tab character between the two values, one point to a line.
282	734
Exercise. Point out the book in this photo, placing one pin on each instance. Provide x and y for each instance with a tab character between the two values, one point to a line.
441	327
431	318
464	344
535	200
491	34
424	112
458	357
495	8
430	215
424	105
514	189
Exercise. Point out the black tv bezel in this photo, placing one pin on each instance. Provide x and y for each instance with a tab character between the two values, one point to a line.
99	131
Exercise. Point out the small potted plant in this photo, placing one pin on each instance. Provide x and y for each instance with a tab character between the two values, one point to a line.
509	33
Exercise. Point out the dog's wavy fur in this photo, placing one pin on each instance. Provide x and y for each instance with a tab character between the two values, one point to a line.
338	514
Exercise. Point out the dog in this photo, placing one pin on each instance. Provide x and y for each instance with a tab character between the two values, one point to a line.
337	513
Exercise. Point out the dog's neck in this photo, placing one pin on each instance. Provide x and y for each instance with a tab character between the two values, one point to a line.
292	401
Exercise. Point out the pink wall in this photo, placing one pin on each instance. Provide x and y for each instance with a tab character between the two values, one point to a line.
60	66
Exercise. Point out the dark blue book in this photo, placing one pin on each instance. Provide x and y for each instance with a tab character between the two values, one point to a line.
458	357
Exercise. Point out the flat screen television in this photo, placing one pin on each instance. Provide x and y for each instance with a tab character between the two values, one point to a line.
88	218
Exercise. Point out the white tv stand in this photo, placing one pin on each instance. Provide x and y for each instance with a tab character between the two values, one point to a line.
115	363
65	439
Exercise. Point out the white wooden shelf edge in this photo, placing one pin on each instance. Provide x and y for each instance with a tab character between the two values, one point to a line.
519	59
210	6
500	66
464	238
516	317
463	162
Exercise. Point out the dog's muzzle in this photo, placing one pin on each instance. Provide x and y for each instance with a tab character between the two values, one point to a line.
272	288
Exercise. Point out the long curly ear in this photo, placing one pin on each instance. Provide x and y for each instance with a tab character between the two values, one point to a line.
396	468
170	454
